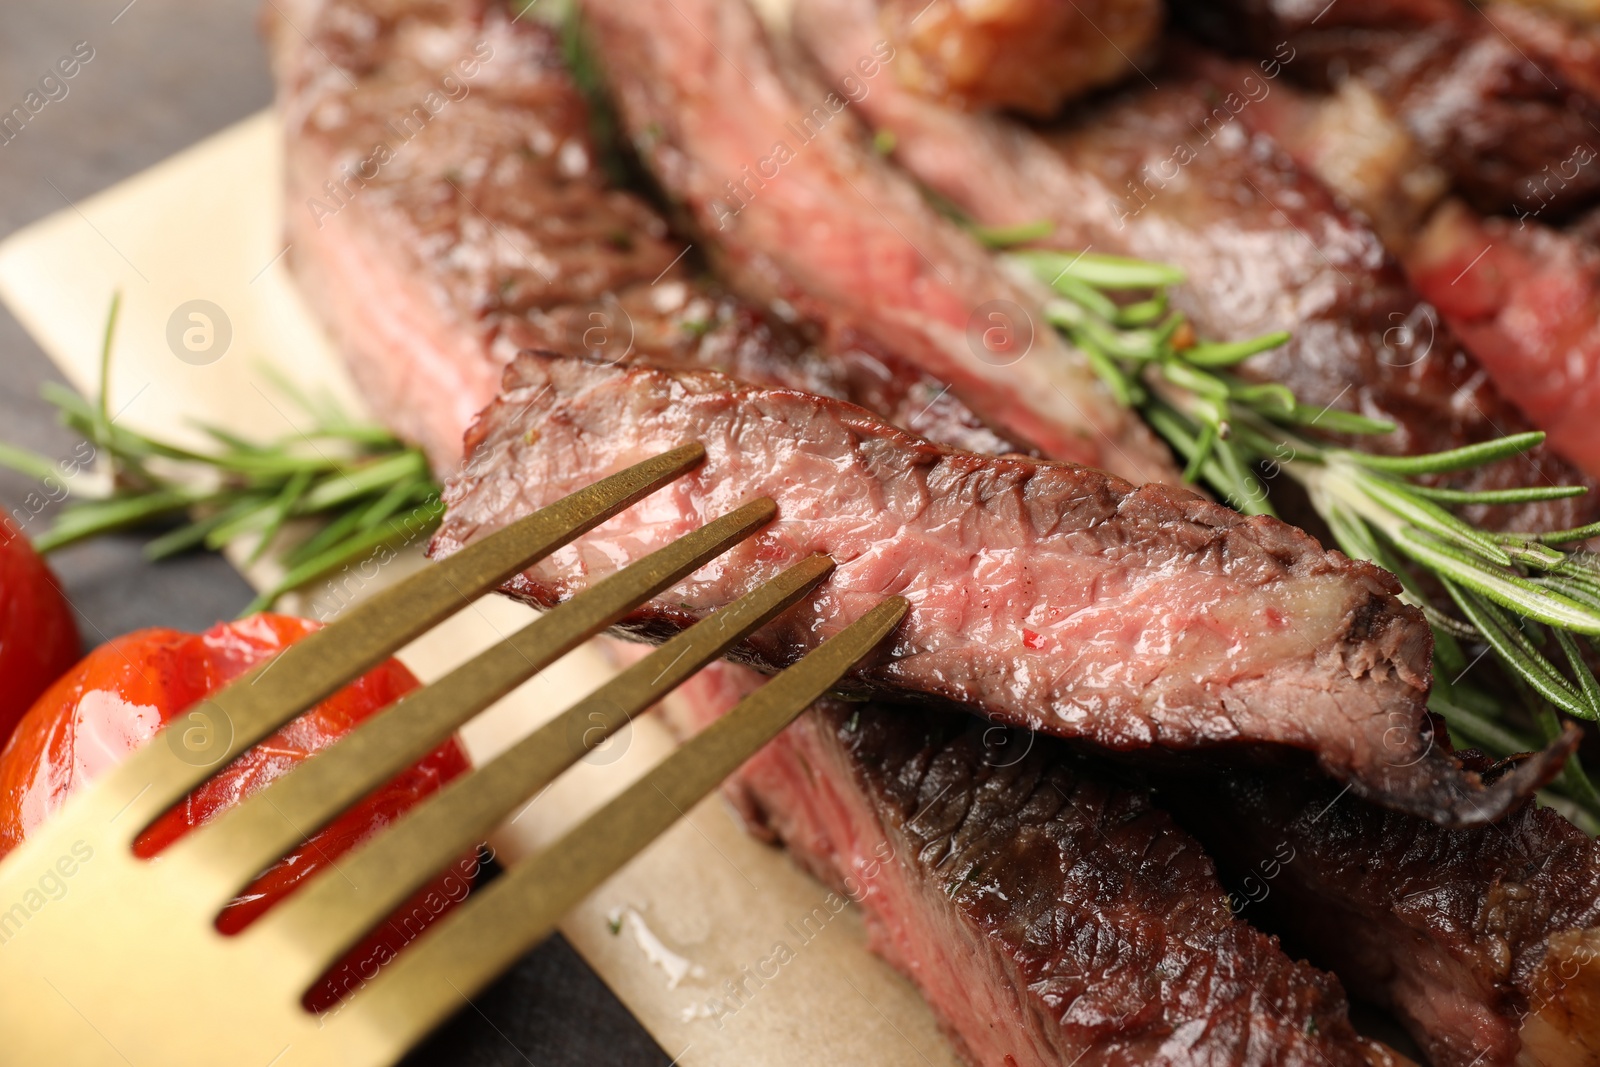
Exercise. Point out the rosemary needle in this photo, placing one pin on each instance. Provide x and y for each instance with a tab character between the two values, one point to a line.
342	484
1010	236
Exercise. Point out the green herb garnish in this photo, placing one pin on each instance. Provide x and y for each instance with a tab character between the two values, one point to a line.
348	488
1011	236
1530	598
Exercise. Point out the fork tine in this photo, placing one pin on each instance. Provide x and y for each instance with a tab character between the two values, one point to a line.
231	850
465	951
236	717
332	914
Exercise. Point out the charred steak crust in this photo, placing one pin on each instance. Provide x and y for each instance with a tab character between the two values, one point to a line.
1050	916
1453	930
1045	595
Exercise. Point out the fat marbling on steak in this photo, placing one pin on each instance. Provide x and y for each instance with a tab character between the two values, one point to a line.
1049	915
1027	55
447	206
1049	596
802	214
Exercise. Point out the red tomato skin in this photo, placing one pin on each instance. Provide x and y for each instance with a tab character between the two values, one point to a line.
123	690
38	638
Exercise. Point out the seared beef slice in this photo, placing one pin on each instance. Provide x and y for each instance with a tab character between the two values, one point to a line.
1482	941
1053	597
1050	916
435	245
791	198
1504	96
1182	175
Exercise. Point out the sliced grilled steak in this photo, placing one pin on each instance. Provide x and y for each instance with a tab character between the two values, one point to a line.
1354	143
1053	597
1050	916
1178	176
779	177
1031	55
1356	911
447	207
422	330
1500	94
1527	299
1482	941
1524	297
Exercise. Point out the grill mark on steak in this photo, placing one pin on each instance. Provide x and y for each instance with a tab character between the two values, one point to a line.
1048	596
1264	245
491	227
1498	93
1481	941
793	201
1049	915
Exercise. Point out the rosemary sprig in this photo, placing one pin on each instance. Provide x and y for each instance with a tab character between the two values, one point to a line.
1530	598
346	488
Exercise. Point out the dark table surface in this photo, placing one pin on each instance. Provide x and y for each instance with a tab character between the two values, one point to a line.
165	74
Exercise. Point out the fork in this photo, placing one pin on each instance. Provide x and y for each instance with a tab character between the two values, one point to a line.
125	965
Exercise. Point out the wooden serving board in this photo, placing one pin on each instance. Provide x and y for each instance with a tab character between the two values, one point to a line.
703	906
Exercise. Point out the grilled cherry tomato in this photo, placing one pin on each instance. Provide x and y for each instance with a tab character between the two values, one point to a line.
38	640
116	699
